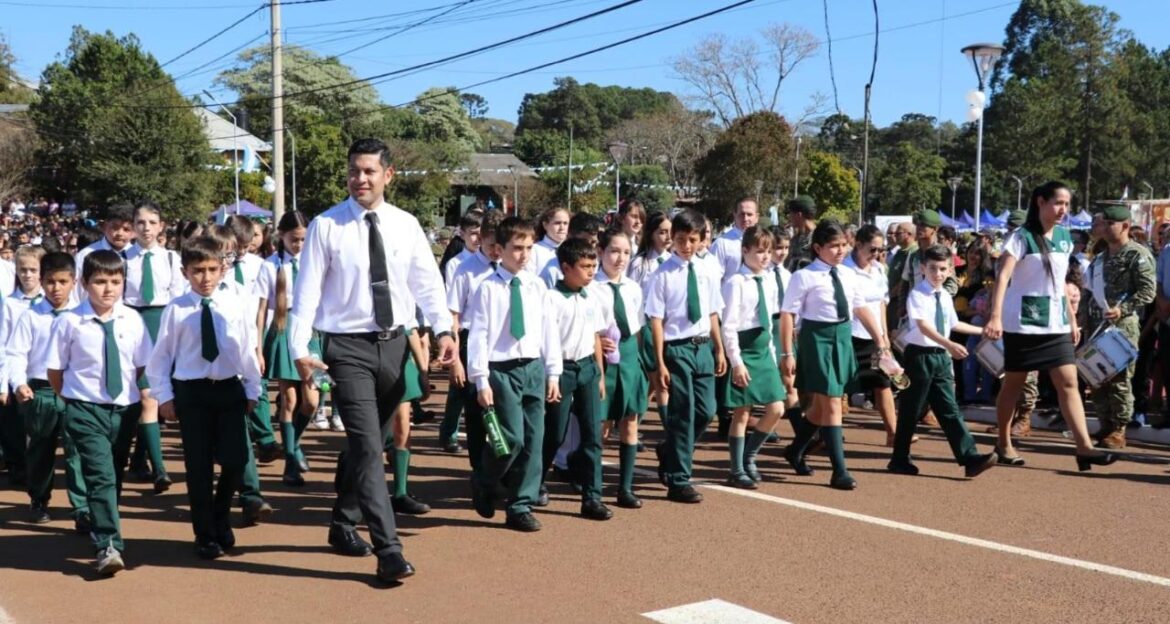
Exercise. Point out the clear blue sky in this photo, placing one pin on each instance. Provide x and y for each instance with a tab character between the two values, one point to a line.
919	68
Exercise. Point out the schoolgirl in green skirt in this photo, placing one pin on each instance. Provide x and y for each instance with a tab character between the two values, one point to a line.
825	297
274	284
653	250
749	300
626	387
397	441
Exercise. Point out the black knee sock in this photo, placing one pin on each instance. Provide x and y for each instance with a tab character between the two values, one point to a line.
835	447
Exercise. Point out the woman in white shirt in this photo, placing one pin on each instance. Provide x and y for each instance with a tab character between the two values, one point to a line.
1031	313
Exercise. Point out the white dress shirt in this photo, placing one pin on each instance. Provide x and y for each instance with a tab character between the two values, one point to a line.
809	295
551	273
12	307
333	292
710	265
7	276
77	347
875	289
454	262
728	249
666	299
741	299
167	268
28	347
489	335
179	351
642	267
602	288
544	251
265	287
921	305
250	265
464	281
579	318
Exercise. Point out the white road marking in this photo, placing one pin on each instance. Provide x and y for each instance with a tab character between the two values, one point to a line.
944	535
5	618
711	612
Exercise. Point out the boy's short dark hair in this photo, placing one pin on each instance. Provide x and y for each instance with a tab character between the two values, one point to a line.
102	262
585	224
201	249
490	223
937	253
224	236
687	221
758	237
148	206
243	229
57	261
947	232
369	146
120	213
573	250
513	227
470	220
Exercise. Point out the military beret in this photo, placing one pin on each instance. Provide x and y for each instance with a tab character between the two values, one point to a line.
928	218
1016	218
804	205
1116	214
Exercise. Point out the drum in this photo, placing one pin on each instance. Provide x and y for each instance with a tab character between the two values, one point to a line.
990	355
1105	355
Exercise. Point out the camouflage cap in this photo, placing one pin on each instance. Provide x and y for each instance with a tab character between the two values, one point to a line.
928	218
804	205
1116	214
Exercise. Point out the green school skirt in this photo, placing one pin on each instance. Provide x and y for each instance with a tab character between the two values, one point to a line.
278	362
151	318
411	379
626	387
646	351
826	364
765	386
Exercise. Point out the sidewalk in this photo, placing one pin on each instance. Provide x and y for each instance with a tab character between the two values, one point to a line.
1147	434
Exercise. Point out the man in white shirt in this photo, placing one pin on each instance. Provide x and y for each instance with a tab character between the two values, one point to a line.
364	268
728	247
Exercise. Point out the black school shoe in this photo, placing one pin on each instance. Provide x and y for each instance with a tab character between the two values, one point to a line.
208	549
226	538
162	483
594	509
684	494
981	464
256	511
523	522
83	524
409	505
268	453
482	500
902	467
347	542
627	500
38	513
394	567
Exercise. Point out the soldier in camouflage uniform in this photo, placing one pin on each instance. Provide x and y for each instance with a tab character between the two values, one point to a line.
899	289
1121	283
802	214
926	223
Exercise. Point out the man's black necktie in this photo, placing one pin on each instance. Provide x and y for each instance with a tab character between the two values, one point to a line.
379	275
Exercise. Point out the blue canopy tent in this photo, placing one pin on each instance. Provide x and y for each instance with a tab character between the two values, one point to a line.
246	208
1080	221
955	223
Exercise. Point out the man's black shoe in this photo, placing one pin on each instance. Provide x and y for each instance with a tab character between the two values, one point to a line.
525	522
595	510
394	567
347	542
409	505
208	549
684	494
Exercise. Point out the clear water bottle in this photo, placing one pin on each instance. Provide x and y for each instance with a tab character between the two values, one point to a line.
321	379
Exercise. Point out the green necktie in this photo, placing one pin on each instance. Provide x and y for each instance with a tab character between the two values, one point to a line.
762	305
940	322
239	273
619	310
694	312
147	288
839	295
295	270
660	260
113	371
207	332
779	287
516	310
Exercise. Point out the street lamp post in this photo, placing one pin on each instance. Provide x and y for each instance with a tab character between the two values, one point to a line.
796	184
1150	187
983	57
515	190
617	151
293	146
954	183
1019	191
860	195
235	145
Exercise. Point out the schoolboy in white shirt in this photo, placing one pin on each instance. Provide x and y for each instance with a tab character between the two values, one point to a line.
927	360
205	373
42	411
514	360
580	320
97	352
14	304
469	226
682	300
117	234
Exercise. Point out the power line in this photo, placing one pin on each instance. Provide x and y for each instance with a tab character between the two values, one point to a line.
145	7
217	34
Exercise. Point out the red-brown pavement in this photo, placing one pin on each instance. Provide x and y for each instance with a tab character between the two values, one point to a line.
794	564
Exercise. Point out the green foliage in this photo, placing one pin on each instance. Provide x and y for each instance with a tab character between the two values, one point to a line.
831	185
12	91
321	167
909	180
99	153
251	188
648	184
493	132
591	110
756	148
444	120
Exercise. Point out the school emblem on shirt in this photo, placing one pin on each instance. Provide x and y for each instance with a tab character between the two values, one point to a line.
1031	310
1065	246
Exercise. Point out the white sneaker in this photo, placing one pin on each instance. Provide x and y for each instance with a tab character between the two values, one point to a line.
335	424
109	561
319	422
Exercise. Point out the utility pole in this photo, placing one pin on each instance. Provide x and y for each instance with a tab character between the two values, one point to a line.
277	115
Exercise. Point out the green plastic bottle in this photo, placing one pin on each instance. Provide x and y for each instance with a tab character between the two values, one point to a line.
495	433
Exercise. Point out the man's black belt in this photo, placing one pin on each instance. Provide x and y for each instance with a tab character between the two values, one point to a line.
693	340
378	336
